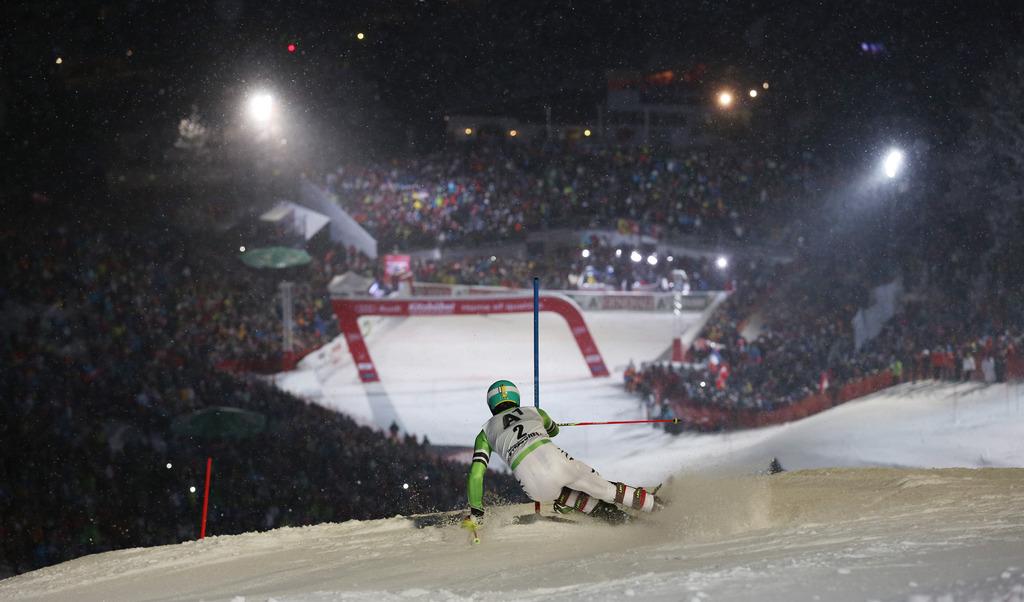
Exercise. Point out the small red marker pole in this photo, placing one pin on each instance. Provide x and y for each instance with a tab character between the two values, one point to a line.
206	496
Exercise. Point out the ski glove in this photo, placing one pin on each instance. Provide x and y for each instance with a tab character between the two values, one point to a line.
474	520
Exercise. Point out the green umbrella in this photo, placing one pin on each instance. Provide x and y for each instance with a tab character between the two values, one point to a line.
219	422
275	257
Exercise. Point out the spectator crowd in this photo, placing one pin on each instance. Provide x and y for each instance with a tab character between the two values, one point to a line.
483	194
110	335
803	342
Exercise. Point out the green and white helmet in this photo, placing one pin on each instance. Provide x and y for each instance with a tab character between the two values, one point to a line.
502	395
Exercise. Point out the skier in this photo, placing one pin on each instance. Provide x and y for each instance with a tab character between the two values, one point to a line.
545	472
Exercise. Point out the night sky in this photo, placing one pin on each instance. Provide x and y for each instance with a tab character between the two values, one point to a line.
136	68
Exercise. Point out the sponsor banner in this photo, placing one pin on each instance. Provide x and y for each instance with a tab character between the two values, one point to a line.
395	266
607	301
349	311
433	289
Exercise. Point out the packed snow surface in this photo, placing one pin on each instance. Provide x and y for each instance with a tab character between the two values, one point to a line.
827	534
863	520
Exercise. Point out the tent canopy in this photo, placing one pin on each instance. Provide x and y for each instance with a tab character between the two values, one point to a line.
302	220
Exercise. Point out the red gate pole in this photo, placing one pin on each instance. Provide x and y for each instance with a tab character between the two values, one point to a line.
206	496
672	420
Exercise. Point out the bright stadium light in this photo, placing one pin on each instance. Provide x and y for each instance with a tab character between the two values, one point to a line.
725	99
753	93
652	260
587	133
585	253
635	256
722	262
261	107
618	252
893	163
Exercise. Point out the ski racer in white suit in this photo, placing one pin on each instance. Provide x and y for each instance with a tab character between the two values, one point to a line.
546	473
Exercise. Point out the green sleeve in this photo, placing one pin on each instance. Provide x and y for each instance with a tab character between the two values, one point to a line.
477	468
549	424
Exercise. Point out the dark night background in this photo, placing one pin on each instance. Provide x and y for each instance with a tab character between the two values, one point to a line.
421	60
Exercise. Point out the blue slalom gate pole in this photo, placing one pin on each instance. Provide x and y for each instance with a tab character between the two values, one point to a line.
536	342
536	357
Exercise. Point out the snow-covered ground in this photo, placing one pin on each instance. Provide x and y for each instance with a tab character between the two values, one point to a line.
863	521
830	534
435	371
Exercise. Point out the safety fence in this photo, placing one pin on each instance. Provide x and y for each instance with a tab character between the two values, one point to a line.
694	416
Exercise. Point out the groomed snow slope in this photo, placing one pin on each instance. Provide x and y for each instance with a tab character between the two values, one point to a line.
435	369
832	534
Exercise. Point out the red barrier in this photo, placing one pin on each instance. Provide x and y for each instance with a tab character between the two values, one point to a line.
349	311
713	418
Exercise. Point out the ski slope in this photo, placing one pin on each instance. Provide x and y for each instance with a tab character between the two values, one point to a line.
435	371
914	493
833	534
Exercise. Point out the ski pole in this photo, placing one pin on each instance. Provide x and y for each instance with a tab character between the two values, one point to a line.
672	420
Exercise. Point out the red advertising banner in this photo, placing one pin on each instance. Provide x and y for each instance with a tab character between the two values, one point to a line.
349	311
395	265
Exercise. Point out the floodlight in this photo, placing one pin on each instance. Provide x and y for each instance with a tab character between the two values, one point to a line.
261	107
893	163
